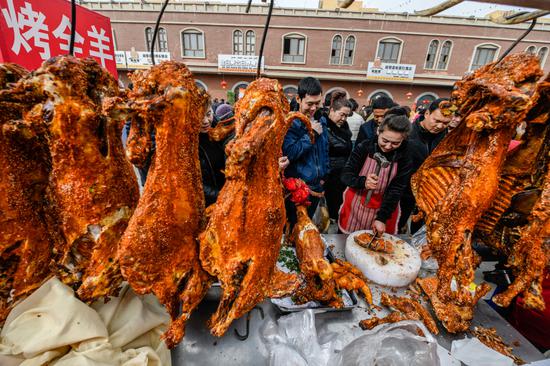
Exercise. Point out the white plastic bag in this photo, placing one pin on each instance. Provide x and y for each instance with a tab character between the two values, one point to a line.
292	341
396	344
418	241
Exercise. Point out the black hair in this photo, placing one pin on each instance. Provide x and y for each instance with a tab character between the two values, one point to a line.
397	111
328	99
339	100
309	86
354	104
383	102
396	123
435	104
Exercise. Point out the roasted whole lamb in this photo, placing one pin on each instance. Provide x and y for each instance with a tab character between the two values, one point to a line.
460	180
159	251
241	243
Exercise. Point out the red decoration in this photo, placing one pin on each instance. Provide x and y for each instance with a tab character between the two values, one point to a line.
409	95
224	84
298	189
360	93
33	31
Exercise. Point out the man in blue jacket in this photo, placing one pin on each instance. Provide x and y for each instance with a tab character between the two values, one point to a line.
308	161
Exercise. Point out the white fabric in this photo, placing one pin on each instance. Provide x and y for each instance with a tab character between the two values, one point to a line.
52	326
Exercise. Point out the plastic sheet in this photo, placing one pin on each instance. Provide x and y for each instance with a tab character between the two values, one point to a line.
418	241
293	341
395	344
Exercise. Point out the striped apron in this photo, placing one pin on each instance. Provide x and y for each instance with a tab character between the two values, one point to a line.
354	214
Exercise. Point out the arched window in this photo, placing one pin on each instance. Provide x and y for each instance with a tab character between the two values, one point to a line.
162	39
444	55
238	42
201	85
348	50
389	50
250	48
290	91
378	93
192	42
483	54
543	52
239	89
336	50
426	99
294	48
532	50
432	54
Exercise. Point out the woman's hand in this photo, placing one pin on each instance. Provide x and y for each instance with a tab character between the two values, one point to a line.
372	181
283	163
379	227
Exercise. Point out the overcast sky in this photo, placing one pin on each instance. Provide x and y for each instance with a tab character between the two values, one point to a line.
465	9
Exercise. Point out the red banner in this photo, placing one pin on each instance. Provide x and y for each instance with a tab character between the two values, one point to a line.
35	30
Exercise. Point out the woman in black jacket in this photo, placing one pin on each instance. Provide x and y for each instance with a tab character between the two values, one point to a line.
381	213
340	146
212	160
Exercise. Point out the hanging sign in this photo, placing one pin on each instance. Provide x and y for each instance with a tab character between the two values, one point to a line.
36	30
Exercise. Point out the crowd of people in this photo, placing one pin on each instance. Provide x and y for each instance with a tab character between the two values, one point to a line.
360	160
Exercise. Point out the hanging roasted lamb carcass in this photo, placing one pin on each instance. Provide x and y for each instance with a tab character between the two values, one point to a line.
159	251
92	189
459	181
241	243
25	242
511	226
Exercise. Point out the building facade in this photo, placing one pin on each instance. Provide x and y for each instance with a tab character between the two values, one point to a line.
422	56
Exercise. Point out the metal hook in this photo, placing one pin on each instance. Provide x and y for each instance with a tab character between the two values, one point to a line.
73	27
533	22
247	332
264	36
153	41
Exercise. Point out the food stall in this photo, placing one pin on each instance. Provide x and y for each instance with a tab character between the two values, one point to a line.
216	285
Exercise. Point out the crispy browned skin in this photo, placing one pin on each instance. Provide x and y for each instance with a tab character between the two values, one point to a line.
159	250
350	278
458	182
319	284
531	255
454	317
241	243
406	309
490	338
92	189
25	243
378	245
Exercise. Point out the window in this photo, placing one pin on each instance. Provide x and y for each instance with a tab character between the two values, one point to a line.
378	93
336	50
290	91
444	55
388	50
201	85
192	43
531	49
543	52
426	99
250	43
483	55
238	42
432	54
162	40
348	50
294	46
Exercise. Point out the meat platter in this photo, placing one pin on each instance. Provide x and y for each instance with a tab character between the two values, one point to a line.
287	258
